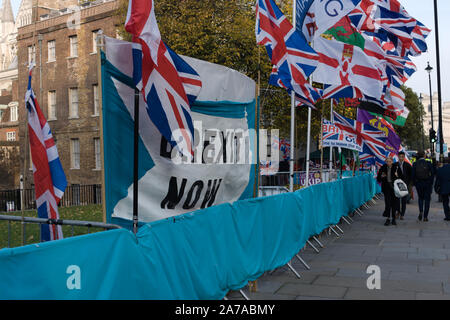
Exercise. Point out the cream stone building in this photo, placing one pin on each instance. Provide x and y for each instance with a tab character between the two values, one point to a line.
445	115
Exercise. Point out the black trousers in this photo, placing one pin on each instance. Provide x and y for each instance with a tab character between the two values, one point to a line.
403	202
392	203
445	203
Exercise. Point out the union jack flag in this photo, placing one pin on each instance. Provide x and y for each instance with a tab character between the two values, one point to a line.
292	58
285	149
391	23
49	178
169	85
372	139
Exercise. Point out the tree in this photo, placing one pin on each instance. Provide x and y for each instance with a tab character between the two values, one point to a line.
412	133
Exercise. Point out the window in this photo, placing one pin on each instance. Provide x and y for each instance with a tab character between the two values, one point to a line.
94	41
52	105
75	153
14	114
11	136
98	161
73	46
31	54
73	103
51	51
96	102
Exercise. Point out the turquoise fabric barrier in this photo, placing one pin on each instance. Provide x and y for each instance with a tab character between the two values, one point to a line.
200	255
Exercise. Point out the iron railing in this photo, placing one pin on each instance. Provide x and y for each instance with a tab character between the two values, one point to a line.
74	195
20	223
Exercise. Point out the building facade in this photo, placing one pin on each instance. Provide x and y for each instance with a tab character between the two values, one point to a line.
62	44
445	115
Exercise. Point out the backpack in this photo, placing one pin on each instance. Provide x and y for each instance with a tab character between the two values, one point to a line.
422	170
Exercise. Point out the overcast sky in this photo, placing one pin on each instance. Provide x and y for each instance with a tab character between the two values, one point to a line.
423	11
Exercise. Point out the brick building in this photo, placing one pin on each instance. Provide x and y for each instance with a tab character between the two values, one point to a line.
9	139
66	55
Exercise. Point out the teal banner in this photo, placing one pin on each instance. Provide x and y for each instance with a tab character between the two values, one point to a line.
199	255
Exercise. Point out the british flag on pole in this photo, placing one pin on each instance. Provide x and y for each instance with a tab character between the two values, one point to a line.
167	92
292	58
49	178
369	137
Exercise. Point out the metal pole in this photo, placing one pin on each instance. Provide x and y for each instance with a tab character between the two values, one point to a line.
136	160
331	148
100	48
308	147
441	135
292	160
431	106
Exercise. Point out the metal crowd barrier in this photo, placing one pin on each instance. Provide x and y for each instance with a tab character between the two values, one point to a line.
41	221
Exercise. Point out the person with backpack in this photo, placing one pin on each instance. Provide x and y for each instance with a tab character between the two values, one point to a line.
422	178
387	174
442	186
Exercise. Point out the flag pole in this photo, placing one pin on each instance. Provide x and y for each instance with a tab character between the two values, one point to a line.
321	142
100	48
136	160
257	125
308	147
292	155
331	148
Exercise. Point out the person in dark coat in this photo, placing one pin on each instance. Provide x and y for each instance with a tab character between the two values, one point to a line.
443	181
422	177
387	174
406	170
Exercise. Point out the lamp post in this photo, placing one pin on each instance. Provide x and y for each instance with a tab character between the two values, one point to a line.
429	69
441	134
421	119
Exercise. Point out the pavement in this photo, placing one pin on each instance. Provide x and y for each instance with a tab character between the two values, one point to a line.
413	257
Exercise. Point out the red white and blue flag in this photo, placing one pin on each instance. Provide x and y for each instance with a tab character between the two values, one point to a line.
49	178
372	140
292	58
391	23
169	85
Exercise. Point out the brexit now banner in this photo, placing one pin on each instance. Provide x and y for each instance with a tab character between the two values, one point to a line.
333	136
223	167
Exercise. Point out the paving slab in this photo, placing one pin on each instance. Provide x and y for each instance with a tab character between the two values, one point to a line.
413	257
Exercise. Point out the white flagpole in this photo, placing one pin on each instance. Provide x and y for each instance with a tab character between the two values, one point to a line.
308	147
292	156
331	148
292	160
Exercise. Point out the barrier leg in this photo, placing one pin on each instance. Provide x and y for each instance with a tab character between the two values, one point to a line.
312	246
244	295
334	231
293	270
346	221
339	228
303	262
318	242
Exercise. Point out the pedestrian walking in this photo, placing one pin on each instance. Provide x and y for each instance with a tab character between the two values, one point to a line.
387	174
406	170
442	186
422	178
